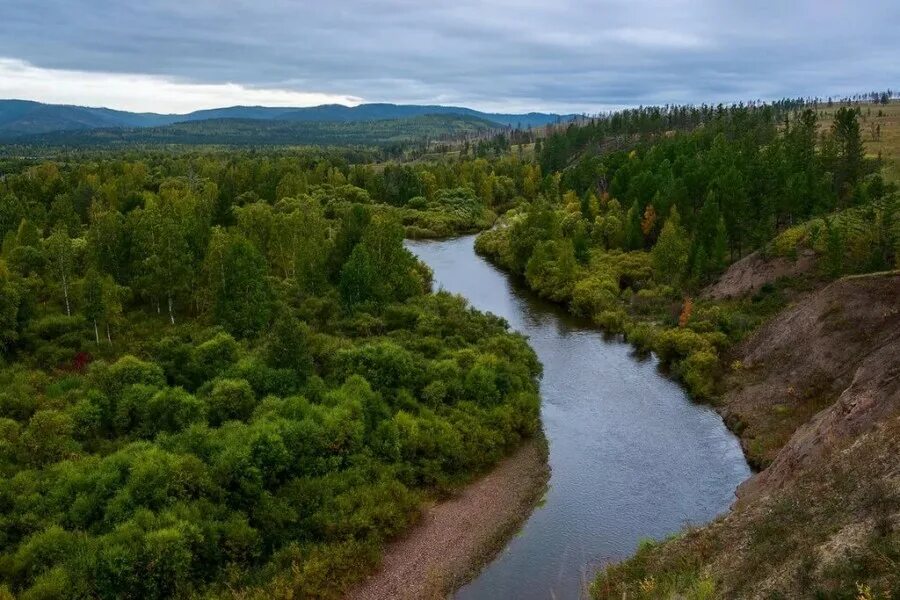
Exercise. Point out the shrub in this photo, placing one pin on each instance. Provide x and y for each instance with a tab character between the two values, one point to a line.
230	399
43	550
383	364
214	356
47	438
613	321
594	294
264	379
641	335
171	410
789	241
126	371
288	345
53	327
50	585
698	372
673	344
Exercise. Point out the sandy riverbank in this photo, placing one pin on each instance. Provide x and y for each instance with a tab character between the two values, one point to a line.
456	537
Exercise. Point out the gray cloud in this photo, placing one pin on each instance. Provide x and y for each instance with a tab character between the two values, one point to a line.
513	55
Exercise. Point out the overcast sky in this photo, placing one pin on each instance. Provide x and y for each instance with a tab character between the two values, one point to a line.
560	55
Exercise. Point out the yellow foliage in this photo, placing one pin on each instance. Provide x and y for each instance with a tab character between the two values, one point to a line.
789	241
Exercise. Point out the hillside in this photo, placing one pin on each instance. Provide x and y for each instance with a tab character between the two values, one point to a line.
881	130
842	387
23	117
258	132
20	118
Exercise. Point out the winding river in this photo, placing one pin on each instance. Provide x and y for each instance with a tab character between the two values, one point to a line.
631	456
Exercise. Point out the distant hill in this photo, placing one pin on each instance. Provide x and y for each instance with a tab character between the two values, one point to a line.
23	118
236	132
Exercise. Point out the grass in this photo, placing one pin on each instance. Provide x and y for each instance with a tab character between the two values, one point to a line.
887	144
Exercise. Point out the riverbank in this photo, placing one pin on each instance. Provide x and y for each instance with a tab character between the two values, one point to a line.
456	537
810	385
631	456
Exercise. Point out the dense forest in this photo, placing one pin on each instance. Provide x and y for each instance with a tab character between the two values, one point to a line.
260	132
224	374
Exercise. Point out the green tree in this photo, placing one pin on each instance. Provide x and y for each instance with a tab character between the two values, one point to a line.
93	299
106	241
10	300
163	253
288	344
634	236
12	211
850	158
670	253
242	295
380	269
61	260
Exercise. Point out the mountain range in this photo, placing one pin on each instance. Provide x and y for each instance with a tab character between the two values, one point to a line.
21	120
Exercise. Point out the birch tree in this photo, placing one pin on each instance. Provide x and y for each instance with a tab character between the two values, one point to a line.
61	261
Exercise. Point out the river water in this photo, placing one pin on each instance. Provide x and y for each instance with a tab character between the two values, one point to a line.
631	456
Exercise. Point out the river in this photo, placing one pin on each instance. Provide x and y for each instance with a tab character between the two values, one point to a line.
631	456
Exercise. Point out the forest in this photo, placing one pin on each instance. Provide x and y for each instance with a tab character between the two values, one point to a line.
628	237
223	374
274	132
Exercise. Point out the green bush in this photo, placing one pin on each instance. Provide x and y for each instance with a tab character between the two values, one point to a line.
214	356
230	399
674	344
594	294
126	371
171	410
698	371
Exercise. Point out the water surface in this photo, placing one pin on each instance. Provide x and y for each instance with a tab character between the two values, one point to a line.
631	456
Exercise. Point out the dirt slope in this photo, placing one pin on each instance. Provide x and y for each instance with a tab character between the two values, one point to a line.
748	275
801	361
458	536
818	401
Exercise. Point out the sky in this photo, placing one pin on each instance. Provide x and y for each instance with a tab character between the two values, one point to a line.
504	55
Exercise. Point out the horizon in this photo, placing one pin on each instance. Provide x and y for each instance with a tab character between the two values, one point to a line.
524	112
572	57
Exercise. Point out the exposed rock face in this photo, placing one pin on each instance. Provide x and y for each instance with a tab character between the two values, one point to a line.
872	397
828	370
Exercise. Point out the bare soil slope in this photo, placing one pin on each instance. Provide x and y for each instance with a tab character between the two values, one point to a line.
801	361
748	275
818	400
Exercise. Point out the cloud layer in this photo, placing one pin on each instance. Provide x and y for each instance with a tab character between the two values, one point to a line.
566	55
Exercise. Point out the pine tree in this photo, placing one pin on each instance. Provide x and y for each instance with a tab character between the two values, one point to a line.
634	237
850	153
